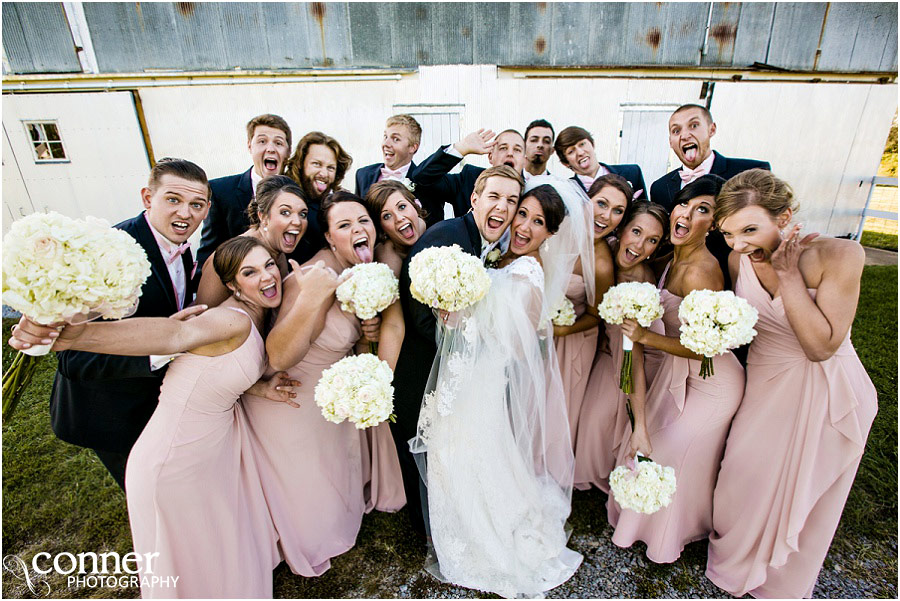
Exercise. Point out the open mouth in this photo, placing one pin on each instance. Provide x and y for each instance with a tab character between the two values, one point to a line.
270	165
495	223
319	185
406	230
270	291
681	230
599	227
362	250
510	162
757	255
690	151
180	227
584	162
289	238
631	256
520	241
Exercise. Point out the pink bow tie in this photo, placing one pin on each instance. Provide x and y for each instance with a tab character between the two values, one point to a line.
180	250
391	174
689	175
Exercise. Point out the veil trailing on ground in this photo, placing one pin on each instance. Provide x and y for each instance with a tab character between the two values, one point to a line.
493	442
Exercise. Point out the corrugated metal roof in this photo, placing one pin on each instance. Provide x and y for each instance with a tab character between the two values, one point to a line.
201	36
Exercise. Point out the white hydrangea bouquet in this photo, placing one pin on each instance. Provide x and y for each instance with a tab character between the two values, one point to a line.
445	277
714	322
564	313
369	289
58	269
357	388
645	488
630	300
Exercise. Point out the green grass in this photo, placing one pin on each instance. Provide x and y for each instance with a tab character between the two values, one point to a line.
58	497
879	240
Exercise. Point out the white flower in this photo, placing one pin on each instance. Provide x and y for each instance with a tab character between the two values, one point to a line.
633	300
646	490
564	313
713	322
445	277
356	388
57	269
370	289
410	185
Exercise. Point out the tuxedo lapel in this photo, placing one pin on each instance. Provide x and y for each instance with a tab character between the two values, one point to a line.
372	176
158	267
245	185
474	234
720	164
579	182
674	184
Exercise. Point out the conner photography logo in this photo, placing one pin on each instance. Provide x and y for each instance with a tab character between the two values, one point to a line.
90	570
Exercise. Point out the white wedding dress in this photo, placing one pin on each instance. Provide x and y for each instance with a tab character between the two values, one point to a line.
493	444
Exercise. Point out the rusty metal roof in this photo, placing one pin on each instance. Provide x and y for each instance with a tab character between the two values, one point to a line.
201	36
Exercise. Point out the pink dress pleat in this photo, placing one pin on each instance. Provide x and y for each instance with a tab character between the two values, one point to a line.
790	458
312	469
193	487
687	420
382	480
576	356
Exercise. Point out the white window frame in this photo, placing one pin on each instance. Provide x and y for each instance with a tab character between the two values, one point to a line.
40	123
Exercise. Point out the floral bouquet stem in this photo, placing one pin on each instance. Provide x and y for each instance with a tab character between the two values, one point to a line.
706	367
373	348
626	382
15	381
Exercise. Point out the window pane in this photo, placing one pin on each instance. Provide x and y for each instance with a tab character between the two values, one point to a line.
57	149
34	130
52	131
42	151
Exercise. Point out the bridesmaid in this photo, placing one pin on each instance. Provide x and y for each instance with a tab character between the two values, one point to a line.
610	199
192	484
798	437
312	469
643	229
399	220
278	219
688	417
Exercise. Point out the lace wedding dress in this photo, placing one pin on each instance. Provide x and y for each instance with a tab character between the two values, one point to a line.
494	444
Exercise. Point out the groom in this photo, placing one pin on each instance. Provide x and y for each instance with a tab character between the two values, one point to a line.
494	202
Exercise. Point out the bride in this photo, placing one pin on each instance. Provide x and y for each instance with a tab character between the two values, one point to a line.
493	423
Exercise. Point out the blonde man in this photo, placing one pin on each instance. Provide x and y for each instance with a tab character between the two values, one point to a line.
402	134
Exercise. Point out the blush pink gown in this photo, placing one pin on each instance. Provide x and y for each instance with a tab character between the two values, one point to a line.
193	488
687	420
576	355
790	458
315	472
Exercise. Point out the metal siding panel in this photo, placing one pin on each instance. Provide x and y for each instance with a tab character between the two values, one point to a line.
795	35
684	30
15	46
332	28
570	34
723	28
47	38
411	34
495	38
200	33
607	33
246	36
878	21
642	34
889	59
751	42
369	21
528	32
840	35
156	41
452	33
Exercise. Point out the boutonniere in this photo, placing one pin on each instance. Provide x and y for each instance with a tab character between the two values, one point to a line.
410	185
492	260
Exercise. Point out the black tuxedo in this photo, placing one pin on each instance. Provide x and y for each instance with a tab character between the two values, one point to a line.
368	175
227	216
664	190
632	173
436	186
101	401
419	349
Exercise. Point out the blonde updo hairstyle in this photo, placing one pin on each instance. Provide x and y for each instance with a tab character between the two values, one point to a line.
754	187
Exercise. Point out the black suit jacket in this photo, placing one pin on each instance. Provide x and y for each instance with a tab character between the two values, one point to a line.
419	347
632	173
368	175
665	189
104	401
435	186
227	216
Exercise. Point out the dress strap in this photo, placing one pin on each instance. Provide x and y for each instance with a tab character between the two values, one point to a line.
662	278
239	310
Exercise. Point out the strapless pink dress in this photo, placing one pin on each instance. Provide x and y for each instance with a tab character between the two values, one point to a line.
576	355
790	458
193	487
314	472
687	420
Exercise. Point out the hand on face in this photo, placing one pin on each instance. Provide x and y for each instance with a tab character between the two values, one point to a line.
177	207
786	258
495	206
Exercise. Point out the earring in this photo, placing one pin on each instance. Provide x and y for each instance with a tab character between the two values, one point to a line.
237	294
265	228
545	245
333	248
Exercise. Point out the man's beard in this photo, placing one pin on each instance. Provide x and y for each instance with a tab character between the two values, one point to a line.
306	184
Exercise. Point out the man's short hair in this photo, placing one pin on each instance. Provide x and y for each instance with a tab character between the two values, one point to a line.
703	109
498	171
415	130
178	168
570	136
510	131
540	123
273	121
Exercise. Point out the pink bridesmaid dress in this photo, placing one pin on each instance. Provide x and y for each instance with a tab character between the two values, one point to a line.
604	420
193	488
687	420
576	355
314	471
790	458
